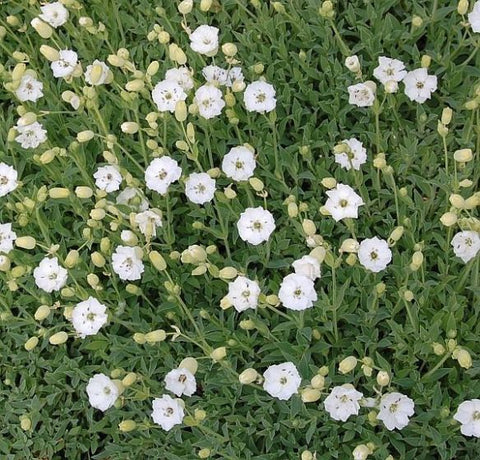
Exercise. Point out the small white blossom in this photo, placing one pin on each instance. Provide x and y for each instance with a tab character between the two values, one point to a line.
31	136
419	86
65	65
50	276
162	172
374	254
355	157
282	380
395	410
181	382
215	75
362	94
54	14
466	245
8	179
468	414
255	225
200	188
343	202
102	79
389	70
474	17
235	74
166	94
108	178
167	412
259	96
7	238
88	317
204	40
243	293
209	101
30	89
307	266
148	221
352	63
239	163
127	263
102	392
297	292
181	76
342	402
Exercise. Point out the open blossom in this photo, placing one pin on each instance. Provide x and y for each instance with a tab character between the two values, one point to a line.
108	178
49	275
259	96
7	238
8	179
343	202
342	402
255	225
466	245
181	76
374	254
181	382
307	266
474	17
215	75
239	163
102	392
29	89
166	94
54	14
162	172
134	198
468	414
235	74
200	188
167	412
389	70
395	410
419	86
243	293
88	317
282	380
127	263
31	136
148	221
297	292
204	40
97	73
354	157
209	101
362	94
65	65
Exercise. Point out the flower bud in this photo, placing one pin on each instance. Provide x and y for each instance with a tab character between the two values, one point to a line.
256	184
83	192
177	54
310	395
349	245
127	425
93	280
129	127
438	349
230	193
25	423
247	325
157	260
426	61
218	354
471	105
408	295
309	227
383	379
462	7
352	63
457	201
361	452
25	242
85	136
329	182
42	28
181	111
391	86
396	234
448	219
129	379
58	193
464	359
292	210
31	343
229	49
51	54
447	114
27	119
185	6
139	338
351	259
42	312
158	335
463	155
417	21
248	376
319	253
228	273
190	364
59	338
347	365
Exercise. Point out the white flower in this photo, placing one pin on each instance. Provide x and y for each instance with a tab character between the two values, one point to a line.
30	89
389	70
8	179
204	40
148	221
374	254
352	63
468	414
362	94
200	188
466	244
102	392
209	101
50	276
282	380
65	65
255	225
99	79
108	178
297	292
343	202
419	86
355	157
31	136
54	14
181	382
235	74
127	263
167	412
395	408
243	293
474	17
181	76
259	96
342	402
166	94
88	317
239	163
162	172
7	237
134	198
215	75
307	266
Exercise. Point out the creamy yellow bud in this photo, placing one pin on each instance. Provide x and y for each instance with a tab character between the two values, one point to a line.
42	312
379	161
133	289
256	184
157	260
225	303
204	453
361	452
97	259
417	258
31	343
97	214
42	28
164	38
347	365
248	376
200	270
426	61
177	54
129	379
228	273
417	21
464	359
319	253
25	242
309	227
214	173
462	7
307	455
185	6
352	63
152	68
457	201
96	74
27	119
181	111
230	193
438	349
194	254
451	344
47	157
158	335
18	271
72	258
229	49
463	155
83	192
396	234
127	425
129	127
139	338
205	5
93	280
51	54
190	364
292	210
218	354
59	338
447	114
85	136
25	423
383	379
448	219
351	259
349	245
329	182
310	395
4	263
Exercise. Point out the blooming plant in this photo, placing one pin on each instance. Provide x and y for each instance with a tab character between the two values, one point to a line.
239	229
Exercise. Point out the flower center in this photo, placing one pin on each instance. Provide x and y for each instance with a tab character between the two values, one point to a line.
239	164
343	203
261	97
373	255
107	390
201	188
91	316
168	412
393	408
297	292
283	380
182	378
3	180
257	225
162	174
246	294
476	415
420	85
